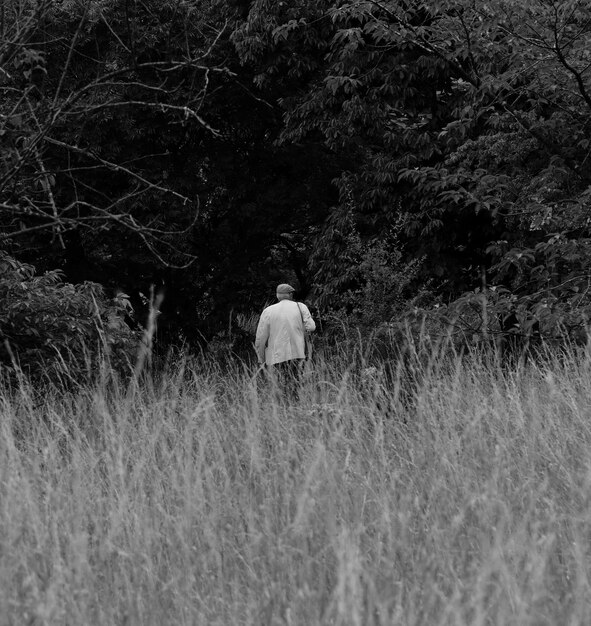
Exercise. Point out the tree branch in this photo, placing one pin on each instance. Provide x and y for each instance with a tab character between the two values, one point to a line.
117	168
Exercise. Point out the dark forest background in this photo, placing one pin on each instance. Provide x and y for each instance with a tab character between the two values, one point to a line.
397	161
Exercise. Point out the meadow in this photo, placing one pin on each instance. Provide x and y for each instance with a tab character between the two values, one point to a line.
445	491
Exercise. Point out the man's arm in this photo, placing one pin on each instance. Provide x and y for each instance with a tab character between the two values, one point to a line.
262	336
309	323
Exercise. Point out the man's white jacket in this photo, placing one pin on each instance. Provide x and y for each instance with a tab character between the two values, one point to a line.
280	333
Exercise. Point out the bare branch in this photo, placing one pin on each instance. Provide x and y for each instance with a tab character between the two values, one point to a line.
117	168
186	111
573	71
42	182
114	33
47	188
69	58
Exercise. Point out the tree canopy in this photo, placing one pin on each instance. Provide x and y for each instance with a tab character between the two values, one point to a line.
385	155
468	127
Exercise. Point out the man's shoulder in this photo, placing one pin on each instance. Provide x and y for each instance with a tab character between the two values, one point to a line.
268	310
278	307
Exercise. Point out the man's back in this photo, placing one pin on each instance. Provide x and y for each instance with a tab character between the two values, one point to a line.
281	330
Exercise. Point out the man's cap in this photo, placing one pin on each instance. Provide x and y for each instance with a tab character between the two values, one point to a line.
284	288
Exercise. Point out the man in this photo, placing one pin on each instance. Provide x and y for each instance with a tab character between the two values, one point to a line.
280	339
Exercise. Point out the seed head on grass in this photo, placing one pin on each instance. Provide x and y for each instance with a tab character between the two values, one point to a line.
458	498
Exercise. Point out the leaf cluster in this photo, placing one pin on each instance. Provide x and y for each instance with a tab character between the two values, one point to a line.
465	124
48	326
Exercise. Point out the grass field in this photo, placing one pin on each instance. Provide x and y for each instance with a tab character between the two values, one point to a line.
460	497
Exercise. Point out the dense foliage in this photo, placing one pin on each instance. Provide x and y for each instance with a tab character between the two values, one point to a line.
384	155
50	328
469	126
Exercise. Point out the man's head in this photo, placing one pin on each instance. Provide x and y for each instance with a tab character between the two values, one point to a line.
285	292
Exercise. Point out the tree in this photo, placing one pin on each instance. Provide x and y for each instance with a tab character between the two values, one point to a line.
448	141
97	100
142	131
466	124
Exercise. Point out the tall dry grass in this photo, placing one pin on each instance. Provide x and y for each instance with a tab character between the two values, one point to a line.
452	492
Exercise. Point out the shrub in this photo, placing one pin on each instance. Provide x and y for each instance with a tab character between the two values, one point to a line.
49	327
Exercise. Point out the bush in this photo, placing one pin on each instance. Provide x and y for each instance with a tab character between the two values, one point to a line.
49	327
